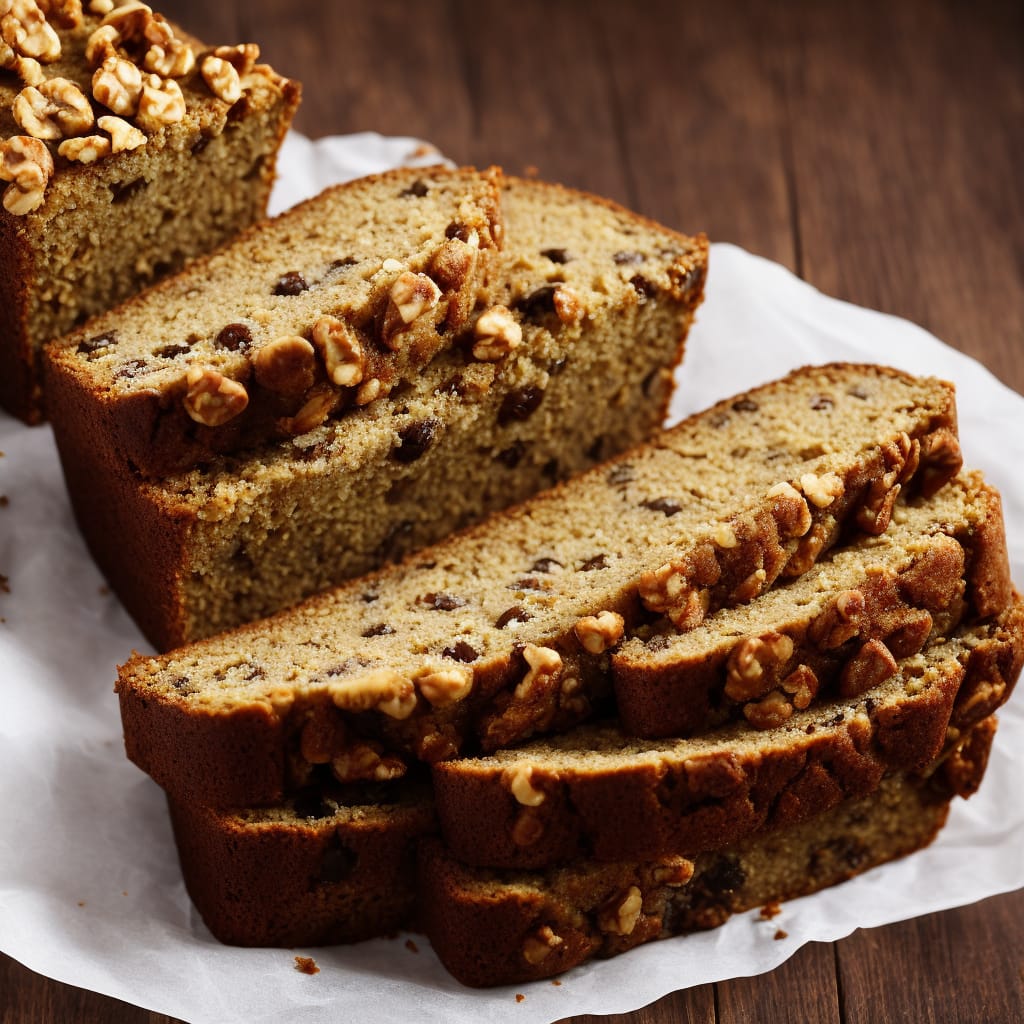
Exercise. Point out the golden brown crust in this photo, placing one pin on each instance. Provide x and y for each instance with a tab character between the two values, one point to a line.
660	800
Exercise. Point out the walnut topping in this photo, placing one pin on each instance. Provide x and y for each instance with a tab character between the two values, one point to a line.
8	57
868	668
755	664
27	164
52	110
790	509
101	7
242	57
667	589
369	391
340	350
66	13
161	103
770	712
85	150
568	304
802	685
821	490
123	136
621	914
518	782
366	761
317	407
222	79
30	71
941	459
117	84
171	57
213	399
412	295
26	30
598	633
453	264
544	663
321	738
287	366
496	333
445	686
130	19
672	871
527	828
538	946
840	621
102	45
381	690
725	536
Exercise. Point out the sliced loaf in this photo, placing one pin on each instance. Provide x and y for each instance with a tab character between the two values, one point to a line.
206	550
839	628
599	793
499	928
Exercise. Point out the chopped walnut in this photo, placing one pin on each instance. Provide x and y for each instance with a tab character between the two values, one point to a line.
65	13
875	514
791	509
321	738
802	685
102	45
518	781
868	668
222	79
842	620
496	334
543	663
117	84
123	136
213	399
598	633
130	19
724	536
755	665
620	915
382	689
941	459
30	71
315	411
242	57
369	391
771	711
85	150
173	58
453	263
101	7
667	590
366	761
537	946
821	490
8	57
287	365
568	304
445	686
25	29
531	705
412	295
672	871
27	164
340	350
53	110
160	104
528	828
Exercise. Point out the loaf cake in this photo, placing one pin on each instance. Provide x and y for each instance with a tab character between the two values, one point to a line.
497	928
321	311
839	628
329	865
500	632
126	148
598	792
243	537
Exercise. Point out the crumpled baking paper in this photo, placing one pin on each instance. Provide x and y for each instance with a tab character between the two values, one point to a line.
90	892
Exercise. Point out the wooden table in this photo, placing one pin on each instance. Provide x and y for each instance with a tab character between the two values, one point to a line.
874	148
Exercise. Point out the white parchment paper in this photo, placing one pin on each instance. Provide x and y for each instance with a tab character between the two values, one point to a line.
90	892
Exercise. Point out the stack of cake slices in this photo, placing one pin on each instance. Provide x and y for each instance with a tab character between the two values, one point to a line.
750	658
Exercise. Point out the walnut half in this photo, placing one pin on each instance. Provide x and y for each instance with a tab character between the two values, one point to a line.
27	164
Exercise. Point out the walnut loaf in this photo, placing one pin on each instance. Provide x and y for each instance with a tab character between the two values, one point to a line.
599	793
242	538
498	633
129	147
320	311
840	627
328	866
495	928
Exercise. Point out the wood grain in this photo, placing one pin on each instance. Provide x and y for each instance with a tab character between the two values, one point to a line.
875	148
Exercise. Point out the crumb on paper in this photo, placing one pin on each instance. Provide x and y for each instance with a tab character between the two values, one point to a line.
81	903
411	946
556	982
4	501
780	934
306	965
520	997
5	584
770	910
104	590
531	171
422	150
124	892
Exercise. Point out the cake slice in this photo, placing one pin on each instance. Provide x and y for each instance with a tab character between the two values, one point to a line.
320	311
244	537
499	928
501	632
126	148
840	628
597	792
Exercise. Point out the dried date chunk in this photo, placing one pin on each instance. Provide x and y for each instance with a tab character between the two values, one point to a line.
235	338
627	257
595	563
520	404
546	565
442	602
172	351
745	405
644	288
538	304
418	189
621	475
97	346
556	255
664	505
414	440
291	283
822	403
512	455
380	629
461	651
513	614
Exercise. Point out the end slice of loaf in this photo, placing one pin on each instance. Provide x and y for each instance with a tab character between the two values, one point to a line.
318	312
327	866
600	793
839	628
500	928
488	637
206	550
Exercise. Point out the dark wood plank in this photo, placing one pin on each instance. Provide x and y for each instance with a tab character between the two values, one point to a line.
692	1006
802	989
960	967
907	156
